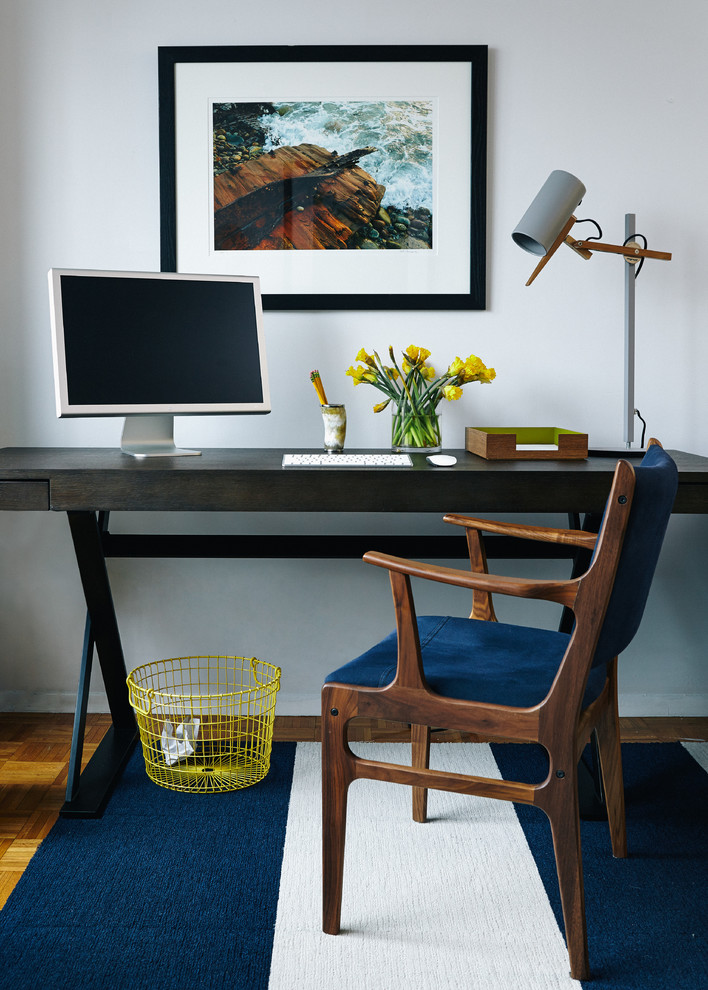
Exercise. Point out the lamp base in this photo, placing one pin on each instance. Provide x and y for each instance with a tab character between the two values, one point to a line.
617	451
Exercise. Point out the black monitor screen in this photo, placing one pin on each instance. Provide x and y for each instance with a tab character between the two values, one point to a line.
129	342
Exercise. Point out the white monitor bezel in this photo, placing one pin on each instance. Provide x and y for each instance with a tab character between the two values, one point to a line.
65	408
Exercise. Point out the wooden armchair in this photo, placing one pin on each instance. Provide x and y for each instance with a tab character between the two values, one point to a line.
514	683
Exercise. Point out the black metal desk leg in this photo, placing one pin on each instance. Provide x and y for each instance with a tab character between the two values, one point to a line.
79	730
104	768
82	695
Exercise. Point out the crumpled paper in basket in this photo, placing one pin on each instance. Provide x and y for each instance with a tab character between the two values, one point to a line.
177	744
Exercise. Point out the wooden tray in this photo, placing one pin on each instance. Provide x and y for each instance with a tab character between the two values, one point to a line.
537	443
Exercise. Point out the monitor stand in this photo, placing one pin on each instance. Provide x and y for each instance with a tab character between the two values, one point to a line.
151	435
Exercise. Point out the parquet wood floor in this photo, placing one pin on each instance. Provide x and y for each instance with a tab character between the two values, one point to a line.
34	761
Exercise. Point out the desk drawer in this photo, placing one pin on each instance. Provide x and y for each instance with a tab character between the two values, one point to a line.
24	495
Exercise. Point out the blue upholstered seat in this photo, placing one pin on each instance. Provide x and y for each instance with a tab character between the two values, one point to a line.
477	661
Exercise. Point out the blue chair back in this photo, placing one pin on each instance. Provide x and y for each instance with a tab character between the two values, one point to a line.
654	494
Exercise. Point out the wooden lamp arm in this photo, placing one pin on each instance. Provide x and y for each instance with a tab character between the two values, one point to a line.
554	247
563	592
631	250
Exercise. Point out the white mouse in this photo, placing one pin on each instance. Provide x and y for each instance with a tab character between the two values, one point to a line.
441	460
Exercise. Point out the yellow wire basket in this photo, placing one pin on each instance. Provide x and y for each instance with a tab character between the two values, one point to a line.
206	723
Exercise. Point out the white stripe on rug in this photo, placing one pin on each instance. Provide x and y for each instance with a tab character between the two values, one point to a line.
699	752
455	903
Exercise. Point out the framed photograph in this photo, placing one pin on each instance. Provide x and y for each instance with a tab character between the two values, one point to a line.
346	177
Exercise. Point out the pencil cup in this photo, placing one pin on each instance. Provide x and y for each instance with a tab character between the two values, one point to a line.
335	427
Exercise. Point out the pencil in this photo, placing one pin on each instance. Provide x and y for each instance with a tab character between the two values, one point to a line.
319	387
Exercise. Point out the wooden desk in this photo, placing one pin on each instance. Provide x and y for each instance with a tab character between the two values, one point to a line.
88	484
80	479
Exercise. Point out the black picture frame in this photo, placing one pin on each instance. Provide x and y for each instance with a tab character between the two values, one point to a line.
468	296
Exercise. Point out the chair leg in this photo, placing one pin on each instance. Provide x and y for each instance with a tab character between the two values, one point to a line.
336	777
563	813
420	747
608	742
334	821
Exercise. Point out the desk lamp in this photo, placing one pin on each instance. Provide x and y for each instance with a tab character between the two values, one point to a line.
547	224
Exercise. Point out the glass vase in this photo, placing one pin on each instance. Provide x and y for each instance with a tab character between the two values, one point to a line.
414	429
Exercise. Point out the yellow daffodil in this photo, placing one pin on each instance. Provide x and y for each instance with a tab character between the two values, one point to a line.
456	368
361	374
417	355
452	392
380	406
366	358
473	367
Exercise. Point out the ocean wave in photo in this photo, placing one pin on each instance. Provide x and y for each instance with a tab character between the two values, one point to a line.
401	131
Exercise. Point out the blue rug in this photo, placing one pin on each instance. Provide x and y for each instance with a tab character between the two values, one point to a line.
183	890
166	890
647	915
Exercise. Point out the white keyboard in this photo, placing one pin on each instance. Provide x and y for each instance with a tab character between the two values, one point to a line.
347	460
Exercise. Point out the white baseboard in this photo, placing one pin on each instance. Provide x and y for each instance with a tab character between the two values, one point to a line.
637	705
48	701
298	704
65	701
664	705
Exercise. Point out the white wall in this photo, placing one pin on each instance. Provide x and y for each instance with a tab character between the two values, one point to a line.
613	91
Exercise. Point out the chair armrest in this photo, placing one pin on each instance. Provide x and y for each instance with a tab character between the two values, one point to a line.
563	592
546	534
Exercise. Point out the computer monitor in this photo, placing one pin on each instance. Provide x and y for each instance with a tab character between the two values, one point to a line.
149	346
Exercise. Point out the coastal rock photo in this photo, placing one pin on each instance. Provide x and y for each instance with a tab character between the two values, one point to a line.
351	175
